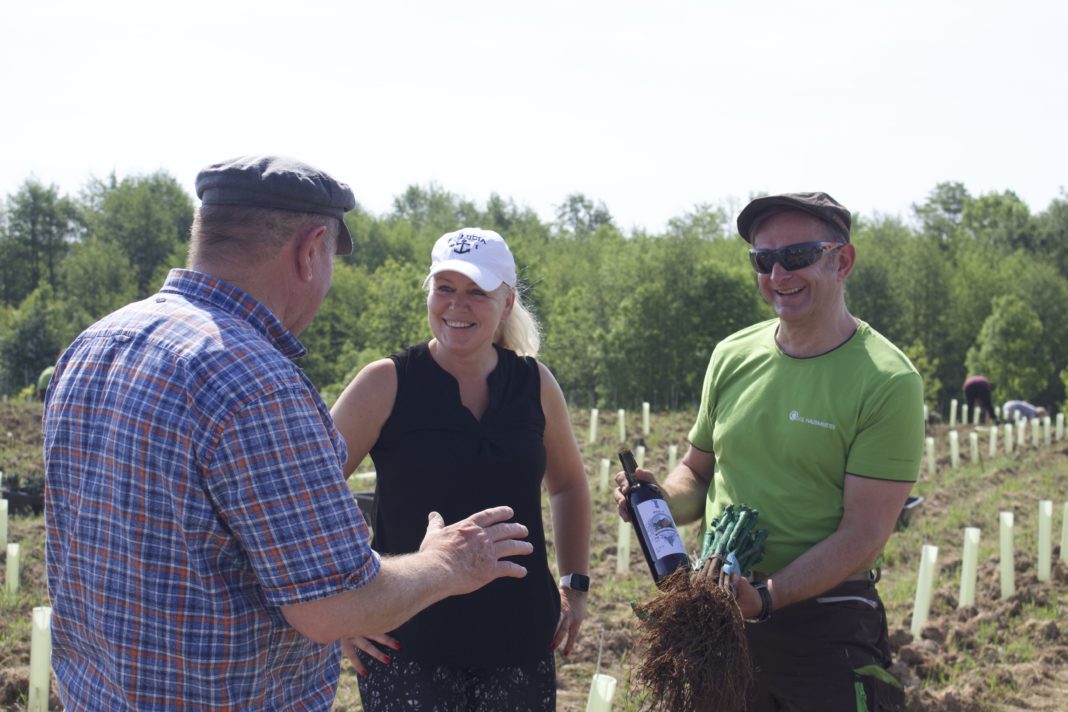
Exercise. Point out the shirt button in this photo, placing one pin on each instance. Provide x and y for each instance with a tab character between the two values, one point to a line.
160	300
121	338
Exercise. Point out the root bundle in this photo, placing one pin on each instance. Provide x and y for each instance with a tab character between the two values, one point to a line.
695	651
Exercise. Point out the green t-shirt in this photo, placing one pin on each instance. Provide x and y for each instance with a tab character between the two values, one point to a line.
786	430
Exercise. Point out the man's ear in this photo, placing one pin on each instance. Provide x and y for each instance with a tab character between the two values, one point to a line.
847	258
308	249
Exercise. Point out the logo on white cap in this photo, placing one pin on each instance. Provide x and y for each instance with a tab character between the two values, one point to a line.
480	255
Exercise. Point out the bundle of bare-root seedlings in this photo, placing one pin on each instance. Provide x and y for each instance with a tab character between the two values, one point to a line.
692	633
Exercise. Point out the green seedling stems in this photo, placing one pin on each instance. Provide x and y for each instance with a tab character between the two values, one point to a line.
739	528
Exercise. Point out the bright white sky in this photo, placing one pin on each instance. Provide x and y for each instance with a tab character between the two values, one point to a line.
650	106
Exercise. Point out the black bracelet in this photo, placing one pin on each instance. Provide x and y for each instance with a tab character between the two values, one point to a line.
765	604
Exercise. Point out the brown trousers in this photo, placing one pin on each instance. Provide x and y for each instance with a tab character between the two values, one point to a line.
828	654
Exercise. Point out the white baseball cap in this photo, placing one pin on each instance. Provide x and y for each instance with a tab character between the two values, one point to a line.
480	255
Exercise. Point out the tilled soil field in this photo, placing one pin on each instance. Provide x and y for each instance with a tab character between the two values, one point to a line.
997	655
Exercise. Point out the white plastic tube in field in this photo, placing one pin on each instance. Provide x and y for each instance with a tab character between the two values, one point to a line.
1021	432
973	442
952	412
931	456
603	483
1064	534
645	418
1036	425
623	548
40	659
1008	438
594	413
1008	571
3	523
13	569
993	441
963	413
1047	430
1045	539
622	415
1060	425
673	457
969	567
954	448
602	690
924	586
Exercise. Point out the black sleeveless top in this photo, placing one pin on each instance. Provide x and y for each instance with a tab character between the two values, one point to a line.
433	455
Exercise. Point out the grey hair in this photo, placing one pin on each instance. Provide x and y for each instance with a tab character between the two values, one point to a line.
254	234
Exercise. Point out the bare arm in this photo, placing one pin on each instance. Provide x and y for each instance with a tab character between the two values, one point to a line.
871	508
685	489
363	407
452	560
569	503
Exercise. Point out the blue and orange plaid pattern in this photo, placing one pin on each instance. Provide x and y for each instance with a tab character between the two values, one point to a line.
193	487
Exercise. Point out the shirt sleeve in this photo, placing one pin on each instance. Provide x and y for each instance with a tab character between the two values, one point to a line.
889	444
276	478
702	432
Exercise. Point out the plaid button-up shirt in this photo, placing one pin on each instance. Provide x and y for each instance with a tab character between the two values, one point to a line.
193	486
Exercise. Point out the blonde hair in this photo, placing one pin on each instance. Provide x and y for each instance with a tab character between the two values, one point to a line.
519	331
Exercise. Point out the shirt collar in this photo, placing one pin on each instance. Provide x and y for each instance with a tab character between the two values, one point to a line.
203	287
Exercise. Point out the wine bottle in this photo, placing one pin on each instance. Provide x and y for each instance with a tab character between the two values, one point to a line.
652	520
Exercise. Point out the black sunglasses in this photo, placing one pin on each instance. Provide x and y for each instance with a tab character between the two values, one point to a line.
792	257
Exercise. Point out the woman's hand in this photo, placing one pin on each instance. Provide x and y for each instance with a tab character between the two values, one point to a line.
349	646
572	612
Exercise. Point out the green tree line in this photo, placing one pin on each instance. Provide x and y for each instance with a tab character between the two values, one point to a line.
965	284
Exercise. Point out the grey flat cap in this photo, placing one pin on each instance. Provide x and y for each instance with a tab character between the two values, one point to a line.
278	183
821	205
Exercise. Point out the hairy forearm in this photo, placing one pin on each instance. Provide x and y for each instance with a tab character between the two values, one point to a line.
871	509
404	586
824	566
685	493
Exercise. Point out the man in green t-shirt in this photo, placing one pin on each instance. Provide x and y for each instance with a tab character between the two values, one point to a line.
816	420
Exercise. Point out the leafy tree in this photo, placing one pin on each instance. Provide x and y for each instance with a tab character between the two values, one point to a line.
704	222
337	333
1001	221
580	217
928	369
1052	233
874	288
573	345
95	279
31	338
365	317
941	214
1011	350
148	218
38	227
431	210
395	317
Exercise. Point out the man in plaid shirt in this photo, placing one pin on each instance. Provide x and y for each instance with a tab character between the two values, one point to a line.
203	549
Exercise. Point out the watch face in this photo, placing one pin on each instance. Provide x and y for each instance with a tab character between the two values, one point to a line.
580	582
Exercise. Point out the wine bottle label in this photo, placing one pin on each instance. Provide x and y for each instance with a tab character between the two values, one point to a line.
663	537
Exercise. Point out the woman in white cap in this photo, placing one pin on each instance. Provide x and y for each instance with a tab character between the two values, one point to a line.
465	420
